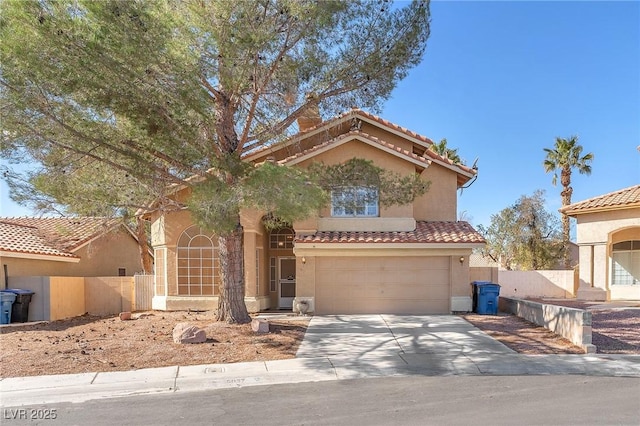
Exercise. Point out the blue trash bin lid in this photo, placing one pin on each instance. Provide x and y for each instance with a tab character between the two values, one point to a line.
18	291
7	296
486	284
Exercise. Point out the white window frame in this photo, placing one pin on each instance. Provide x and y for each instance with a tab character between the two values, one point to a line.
197	263
625	264
352	202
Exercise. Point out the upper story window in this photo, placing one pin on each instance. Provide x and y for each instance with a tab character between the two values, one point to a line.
354	202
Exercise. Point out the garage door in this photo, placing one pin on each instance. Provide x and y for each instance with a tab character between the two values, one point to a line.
390	285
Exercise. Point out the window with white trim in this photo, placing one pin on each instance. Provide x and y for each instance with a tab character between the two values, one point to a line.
354	202
625	263
198	263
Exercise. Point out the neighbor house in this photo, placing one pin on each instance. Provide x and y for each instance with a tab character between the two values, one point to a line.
65	247
372	259
608	237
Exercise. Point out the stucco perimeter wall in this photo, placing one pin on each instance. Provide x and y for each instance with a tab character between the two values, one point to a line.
57	298
483	273
556	283
54	298
109	295
570	323
39	308
66	297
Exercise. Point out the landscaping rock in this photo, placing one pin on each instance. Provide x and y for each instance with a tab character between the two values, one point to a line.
260	326
186	333
125	316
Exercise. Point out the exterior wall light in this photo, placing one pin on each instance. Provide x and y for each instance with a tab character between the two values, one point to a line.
304	260
461	260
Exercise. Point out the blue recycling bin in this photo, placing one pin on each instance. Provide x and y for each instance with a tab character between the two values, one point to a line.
487	295
6	301
474	290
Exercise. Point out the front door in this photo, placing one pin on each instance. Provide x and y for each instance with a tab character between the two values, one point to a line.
287	282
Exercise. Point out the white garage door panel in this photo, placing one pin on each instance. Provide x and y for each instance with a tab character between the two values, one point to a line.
382	285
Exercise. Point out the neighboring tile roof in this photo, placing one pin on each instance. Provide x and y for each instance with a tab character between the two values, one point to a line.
359	134
26	239
624	198
50	236
425	232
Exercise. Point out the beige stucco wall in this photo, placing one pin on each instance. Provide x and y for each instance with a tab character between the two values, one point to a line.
165	233
356	148
439	203
596	233
109	295
596	227
67	297
551	283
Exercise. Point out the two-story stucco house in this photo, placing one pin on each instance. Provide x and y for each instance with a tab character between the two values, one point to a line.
402	259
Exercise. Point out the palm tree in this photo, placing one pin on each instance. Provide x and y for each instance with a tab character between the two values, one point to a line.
566	156
441	149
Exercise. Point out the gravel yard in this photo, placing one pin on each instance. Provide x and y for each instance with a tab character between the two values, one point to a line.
616	326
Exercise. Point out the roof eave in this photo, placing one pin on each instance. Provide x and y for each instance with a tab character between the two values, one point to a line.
385	245
577	212
36	256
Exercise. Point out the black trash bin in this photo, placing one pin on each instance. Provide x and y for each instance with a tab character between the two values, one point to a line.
476	289
20	308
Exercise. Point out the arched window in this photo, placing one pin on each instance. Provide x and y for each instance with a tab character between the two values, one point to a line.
626	263
281	238
198	263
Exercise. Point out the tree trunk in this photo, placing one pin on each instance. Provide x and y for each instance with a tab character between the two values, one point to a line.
566	200
231	306
143	246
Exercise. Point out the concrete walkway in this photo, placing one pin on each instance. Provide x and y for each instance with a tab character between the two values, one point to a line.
334	348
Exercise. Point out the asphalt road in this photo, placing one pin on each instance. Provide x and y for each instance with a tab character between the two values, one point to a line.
455	400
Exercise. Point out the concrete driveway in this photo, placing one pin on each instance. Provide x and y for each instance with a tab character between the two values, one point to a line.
381	336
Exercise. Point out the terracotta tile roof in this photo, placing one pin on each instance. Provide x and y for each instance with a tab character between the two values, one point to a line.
387	123
425	232
355	113
359	134
624	198
26	239
50	236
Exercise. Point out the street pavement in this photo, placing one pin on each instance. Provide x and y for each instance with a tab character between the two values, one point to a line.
334	348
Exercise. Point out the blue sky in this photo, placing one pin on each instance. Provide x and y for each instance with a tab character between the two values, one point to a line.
501	80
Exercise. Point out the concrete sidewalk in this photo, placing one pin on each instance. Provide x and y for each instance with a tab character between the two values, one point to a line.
88	386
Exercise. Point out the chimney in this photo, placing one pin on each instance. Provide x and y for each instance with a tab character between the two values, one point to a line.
309	117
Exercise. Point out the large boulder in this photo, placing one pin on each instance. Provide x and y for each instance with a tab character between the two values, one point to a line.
186	333
259	326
